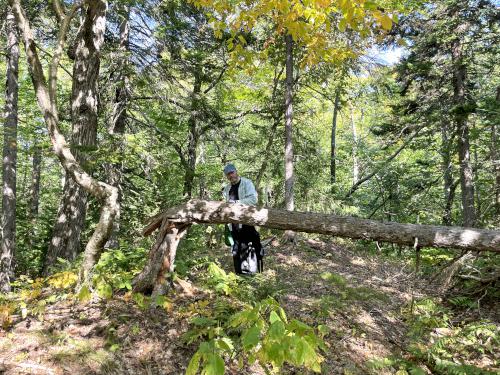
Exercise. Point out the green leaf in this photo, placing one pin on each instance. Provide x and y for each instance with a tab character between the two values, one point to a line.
310	356
297	354
417	371
299	327
84	293
215	365
273	317
251	337
194	364
282	314
225	343
276	354
277	330
323	330
201	321
105	290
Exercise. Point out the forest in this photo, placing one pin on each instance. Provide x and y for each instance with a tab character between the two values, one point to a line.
143	140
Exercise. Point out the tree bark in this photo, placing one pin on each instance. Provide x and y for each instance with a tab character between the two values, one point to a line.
153	277
466	173
119	117
276	109
204	193
496	159
69	224
46	97
193	138
447	167
333	139
9	165
265	161
355	165
36	173
289	176
342	226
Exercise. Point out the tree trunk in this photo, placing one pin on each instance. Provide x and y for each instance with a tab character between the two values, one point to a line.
276	109
153	278
333	139
265	161
69	224
289	177
355	165
34	202
447	166
9	165
46	97
36	173
496	159
204	193
466	173
196	211
193	139
119	117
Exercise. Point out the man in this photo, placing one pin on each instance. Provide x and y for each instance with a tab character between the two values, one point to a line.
247	250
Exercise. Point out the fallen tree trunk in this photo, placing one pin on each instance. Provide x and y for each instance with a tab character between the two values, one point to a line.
174	222
198	211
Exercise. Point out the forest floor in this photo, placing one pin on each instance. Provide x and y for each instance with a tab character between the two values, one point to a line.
363	299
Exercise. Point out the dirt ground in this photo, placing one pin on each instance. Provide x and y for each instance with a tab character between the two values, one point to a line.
360	298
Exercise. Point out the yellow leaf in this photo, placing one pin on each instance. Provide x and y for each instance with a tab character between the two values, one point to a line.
342	24
323	3
386	22
5	316
63	280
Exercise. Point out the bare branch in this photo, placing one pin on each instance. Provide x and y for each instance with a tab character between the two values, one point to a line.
45	52
381	166
216	81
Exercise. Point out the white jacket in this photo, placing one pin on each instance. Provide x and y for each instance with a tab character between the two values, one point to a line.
246	192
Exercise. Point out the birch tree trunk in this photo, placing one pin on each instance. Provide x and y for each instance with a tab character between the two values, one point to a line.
333	139
46	94
289	176
119	116
9	165
69	224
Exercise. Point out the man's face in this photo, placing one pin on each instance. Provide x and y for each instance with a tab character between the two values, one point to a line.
233	177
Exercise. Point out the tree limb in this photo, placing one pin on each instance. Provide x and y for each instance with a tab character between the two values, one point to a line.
199	211
381	166
58	10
